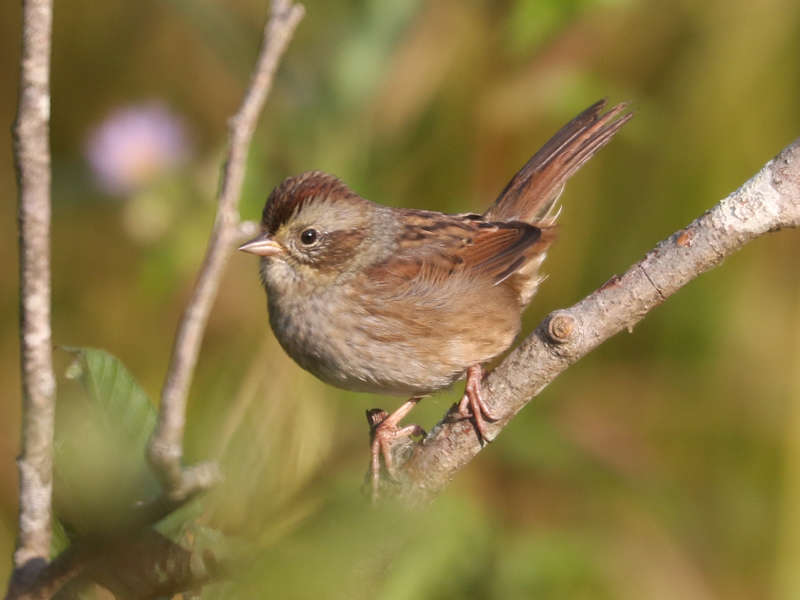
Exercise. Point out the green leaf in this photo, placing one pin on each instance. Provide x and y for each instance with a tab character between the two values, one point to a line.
115	394
102	429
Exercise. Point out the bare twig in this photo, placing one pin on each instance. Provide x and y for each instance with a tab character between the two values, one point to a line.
32	154
767	202
165	450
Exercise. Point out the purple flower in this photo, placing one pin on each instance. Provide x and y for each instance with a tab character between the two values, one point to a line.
135	145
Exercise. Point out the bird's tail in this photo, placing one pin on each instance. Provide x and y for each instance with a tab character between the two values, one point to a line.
532	193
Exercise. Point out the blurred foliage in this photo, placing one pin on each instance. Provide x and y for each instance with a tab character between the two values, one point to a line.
102	429
664	465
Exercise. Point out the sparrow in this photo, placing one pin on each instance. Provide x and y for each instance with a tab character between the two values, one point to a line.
405	301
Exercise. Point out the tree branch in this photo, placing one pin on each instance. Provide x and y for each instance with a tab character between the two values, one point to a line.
32	157
768	202
165	450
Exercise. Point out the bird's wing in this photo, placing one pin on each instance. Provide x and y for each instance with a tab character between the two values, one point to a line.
434	248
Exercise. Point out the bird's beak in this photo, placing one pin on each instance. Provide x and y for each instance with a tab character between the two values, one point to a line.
262	246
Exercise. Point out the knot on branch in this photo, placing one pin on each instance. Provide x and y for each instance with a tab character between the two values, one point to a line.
561	327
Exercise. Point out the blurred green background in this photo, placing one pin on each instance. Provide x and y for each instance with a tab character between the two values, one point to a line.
664	465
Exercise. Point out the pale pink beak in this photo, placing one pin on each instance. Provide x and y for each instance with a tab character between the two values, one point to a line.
262	246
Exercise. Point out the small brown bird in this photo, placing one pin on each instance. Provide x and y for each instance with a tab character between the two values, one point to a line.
403	301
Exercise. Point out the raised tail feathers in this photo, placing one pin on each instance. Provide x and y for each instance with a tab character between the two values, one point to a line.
532	193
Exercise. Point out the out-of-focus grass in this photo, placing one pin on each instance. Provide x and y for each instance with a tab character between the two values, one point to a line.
664	465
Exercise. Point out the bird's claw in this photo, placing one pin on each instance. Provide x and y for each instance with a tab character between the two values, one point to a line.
384	432
473	406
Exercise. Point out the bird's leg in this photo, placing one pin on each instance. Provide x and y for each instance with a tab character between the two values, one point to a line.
384	431
472	404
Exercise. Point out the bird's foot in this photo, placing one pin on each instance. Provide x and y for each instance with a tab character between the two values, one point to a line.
473	406
384	433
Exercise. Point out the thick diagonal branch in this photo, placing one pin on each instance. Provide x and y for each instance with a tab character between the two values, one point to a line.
165	451
767	202
32	155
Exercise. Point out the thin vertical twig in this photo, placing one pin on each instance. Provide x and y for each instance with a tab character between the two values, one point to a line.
32	158
165	451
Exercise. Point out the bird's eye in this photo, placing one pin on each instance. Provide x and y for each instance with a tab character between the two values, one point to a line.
309	236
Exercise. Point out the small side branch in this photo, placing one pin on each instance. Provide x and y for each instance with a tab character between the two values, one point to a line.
32	156
767	202
165	450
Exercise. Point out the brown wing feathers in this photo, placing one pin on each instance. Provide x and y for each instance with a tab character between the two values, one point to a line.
501	251
445	245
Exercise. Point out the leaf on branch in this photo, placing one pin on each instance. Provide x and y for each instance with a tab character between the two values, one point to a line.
102	430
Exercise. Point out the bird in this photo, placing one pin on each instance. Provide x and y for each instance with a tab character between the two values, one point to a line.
405	301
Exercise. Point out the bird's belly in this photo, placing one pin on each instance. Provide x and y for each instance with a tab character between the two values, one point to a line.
362	351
